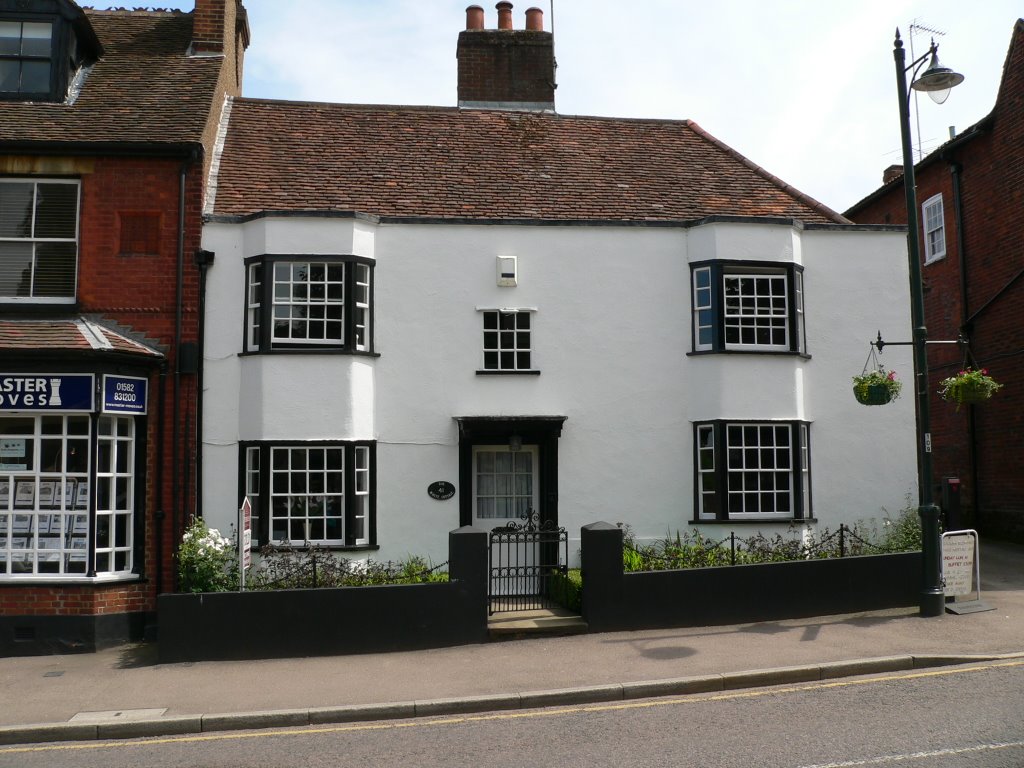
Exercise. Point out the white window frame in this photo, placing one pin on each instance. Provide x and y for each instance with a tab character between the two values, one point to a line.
37	242
744	471
703	309
933	222
48	522
752	312
507	350
115	494
504	485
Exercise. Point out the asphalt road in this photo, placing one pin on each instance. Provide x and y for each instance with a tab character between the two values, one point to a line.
971	715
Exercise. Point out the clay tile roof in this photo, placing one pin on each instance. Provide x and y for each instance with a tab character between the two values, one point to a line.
143	89
73	334
438	162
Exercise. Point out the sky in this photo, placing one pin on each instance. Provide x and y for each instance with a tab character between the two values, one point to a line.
804	88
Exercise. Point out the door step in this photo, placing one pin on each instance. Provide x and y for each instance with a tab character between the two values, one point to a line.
542	622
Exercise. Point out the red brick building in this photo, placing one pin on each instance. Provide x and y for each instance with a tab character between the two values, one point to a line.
971	197
107	123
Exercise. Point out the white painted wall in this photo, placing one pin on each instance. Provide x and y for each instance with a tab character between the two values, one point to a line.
611	335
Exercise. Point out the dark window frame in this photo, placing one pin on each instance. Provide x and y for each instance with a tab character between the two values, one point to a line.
265	344
261	504
712	314
800	471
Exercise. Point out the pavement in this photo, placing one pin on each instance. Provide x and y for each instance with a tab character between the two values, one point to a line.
124	693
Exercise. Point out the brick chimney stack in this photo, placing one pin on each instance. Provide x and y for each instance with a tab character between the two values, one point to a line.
506	68
221	28
892	173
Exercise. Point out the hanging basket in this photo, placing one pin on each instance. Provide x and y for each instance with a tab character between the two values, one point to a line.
970	392
875	385
970	386
872	394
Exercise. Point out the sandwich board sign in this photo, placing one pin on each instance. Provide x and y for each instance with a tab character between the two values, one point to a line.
961	571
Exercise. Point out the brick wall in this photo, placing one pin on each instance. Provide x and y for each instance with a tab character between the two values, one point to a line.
76	600
137	292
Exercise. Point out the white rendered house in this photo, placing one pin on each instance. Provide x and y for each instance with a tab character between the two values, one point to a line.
419	318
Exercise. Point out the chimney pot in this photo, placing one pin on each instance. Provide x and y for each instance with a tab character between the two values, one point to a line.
474	17
504	15
535	19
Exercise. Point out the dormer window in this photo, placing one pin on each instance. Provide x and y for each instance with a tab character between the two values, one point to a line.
42	45
26	54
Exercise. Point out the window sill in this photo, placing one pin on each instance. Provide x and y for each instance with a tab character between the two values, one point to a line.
38	579
326	547
38	306
770	352
757	521
312	350
531	372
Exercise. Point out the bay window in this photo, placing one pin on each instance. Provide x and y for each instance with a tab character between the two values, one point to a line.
752	470
311	493
748	307
308	303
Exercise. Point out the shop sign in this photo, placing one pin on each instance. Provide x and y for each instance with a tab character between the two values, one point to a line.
124	394
51	392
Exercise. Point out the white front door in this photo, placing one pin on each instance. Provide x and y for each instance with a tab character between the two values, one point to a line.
505	487
505	491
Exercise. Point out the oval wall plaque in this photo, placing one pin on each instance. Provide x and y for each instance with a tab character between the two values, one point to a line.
441	490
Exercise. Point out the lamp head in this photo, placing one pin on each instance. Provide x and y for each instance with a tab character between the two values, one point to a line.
937	80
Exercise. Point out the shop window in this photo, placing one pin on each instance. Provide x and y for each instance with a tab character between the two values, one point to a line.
48	522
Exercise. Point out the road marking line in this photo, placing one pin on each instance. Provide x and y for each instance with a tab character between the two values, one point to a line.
520	715
919	755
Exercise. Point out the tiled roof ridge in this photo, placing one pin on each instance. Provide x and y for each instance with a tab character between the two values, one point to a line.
357	106
136	11
787	188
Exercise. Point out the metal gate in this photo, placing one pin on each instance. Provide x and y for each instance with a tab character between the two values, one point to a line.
528	566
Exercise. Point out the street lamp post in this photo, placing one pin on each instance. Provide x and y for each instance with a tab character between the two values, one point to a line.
936	81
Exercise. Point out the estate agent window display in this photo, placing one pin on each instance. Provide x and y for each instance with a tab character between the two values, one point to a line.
67	496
